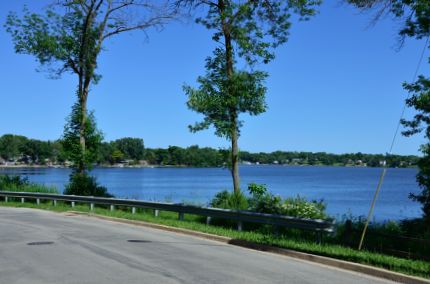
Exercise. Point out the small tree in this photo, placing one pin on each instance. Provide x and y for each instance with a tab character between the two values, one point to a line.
248	31
81	183
415	15
71	137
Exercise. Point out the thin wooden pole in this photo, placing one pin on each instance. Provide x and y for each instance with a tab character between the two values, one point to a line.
369	216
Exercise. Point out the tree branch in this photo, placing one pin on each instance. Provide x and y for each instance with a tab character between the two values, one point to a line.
152	22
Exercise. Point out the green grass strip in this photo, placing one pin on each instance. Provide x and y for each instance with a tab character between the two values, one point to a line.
192	222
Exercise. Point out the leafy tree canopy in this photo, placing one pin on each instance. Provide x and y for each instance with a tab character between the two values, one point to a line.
218	93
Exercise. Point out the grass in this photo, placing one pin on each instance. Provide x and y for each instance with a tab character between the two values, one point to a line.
193	222
32	187
22	184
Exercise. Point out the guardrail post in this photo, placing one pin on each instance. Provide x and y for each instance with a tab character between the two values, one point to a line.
276	230
319	237
156	212
133	210
5	199
91	206
347	235
38	201
54	202
112	207
181	216
22	199
208	220
73	203
239	226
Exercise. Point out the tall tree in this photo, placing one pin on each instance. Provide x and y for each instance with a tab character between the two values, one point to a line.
420	100
415	17
245	32
69	37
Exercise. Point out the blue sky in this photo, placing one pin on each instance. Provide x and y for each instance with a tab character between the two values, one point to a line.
334	87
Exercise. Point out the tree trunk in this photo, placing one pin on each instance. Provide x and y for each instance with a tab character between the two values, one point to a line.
233	113
82	142
235	157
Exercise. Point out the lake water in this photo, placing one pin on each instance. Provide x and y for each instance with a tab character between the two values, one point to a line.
346	190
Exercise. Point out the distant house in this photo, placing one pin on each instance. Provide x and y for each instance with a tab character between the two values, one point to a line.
2	161
296	161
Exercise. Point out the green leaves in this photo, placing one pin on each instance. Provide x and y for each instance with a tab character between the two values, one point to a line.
415	14
247	31
420	101
256	27
53	39
71	138
220	97
59	39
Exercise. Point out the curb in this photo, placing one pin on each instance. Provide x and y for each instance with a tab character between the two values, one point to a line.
342	264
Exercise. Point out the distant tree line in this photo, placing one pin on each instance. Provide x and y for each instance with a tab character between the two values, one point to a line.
131	151
328	159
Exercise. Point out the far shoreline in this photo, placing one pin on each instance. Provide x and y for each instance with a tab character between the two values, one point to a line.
120	166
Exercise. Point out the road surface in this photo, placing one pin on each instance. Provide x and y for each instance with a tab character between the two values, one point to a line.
45	247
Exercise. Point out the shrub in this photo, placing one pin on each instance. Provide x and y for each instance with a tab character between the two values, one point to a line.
229	200
7	182
300	207
83	184
21	184
257	190
418	227
263	201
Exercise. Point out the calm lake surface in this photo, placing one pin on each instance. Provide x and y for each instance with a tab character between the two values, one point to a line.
346	190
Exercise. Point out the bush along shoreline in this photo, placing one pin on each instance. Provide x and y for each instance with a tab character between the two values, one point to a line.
263	201
22	184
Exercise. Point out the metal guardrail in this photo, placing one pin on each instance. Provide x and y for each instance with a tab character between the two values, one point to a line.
316	225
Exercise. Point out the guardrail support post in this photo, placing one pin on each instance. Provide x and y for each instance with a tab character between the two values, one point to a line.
73	203
156	212
181	216
208	220
5	199
133	210
92	206
319	237
239	226
276	230
54	202
38	201
112	207
22	199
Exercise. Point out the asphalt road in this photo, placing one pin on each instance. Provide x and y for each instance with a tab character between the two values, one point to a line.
89	250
